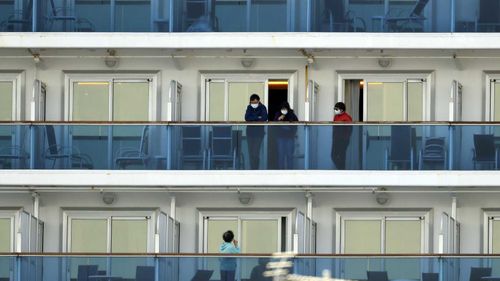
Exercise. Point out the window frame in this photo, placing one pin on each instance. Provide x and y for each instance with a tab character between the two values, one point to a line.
154	104
341	215
13	216
17	93
403	77
108	215
487	231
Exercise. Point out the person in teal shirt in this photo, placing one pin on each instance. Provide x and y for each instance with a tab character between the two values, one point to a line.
228	265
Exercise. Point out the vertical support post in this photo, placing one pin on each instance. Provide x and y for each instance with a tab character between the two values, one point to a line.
33	147
453	16
169	149
172	207
441	268
34	16
113	15
18	268
450	147
454	207
307	146
249	14
110	146
309	209
157	268
36	204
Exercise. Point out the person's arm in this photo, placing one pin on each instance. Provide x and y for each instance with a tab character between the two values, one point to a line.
264	118
250	116
277	116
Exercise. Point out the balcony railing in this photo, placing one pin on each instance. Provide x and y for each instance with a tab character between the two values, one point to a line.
249	16
271	146
198	267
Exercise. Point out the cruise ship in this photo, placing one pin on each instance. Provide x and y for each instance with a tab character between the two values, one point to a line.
126	154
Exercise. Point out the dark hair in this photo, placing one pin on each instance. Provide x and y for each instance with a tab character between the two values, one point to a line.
286	105
254	97
228	236
340	105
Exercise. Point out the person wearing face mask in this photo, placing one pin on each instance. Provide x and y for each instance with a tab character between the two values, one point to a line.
341	136
256	112
285	139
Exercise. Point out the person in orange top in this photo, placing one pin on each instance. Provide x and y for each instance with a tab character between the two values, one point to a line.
341	136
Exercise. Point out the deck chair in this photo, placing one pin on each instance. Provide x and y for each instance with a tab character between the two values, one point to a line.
68	19
145	273
223	148
413	21
430	276
193	152
84	271
433	152
135	156
484	151
344	22
477	273
377	276
17	21
56	152
402	148
202	275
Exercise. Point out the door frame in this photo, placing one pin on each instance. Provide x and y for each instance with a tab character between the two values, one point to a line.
381	215
17	80
489	98
487	241
403	77
107	215
228	214
154	90
238	76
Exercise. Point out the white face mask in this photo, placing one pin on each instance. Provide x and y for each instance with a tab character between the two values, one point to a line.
254	105
284	111
337	111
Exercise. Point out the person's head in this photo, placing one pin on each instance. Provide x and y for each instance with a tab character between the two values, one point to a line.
285	108
254	100
339	108
228	236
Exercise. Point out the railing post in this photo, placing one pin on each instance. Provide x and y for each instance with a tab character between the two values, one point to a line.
169	154
441	268
157	268
33	146
307	147
450	147
18	268
34	16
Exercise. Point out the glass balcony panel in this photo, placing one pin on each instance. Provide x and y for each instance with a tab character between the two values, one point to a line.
133	16
230	16
272	146
269	16
209	267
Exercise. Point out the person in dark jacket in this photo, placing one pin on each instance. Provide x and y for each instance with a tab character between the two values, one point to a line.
256	112
285	140
341	136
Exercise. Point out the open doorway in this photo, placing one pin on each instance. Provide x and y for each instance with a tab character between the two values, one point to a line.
354	98
277	94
